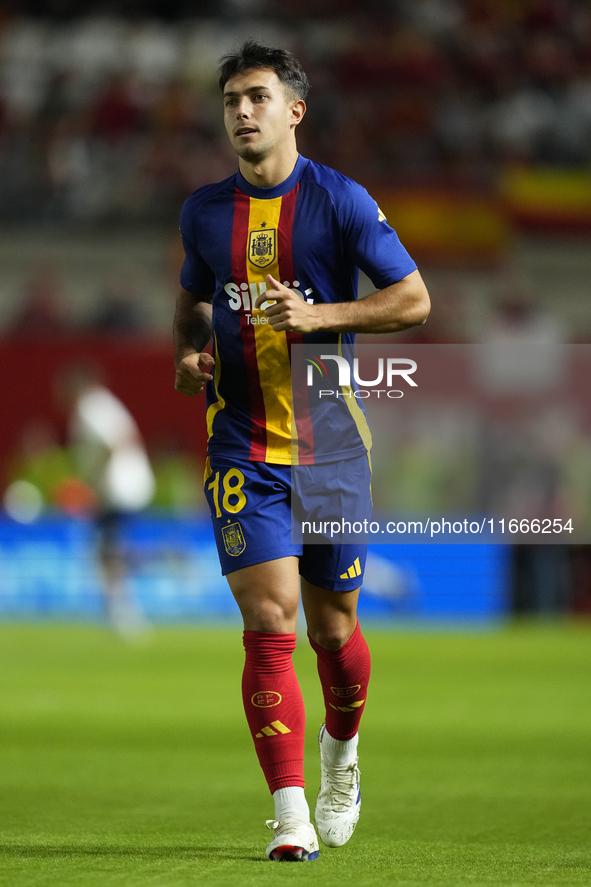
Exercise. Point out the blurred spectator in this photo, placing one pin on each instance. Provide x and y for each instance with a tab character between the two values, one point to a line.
174	108
110	457
115	114
110	117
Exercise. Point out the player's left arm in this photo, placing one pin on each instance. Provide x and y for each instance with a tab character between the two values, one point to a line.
389	310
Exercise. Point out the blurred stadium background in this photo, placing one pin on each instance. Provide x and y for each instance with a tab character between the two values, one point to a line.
468	120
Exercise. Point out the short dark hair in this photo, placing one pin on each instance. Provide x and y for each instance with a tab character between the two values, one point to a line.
257	55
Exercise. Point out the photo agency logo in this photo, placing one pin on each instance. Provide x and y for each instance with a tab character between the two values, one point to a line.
390	371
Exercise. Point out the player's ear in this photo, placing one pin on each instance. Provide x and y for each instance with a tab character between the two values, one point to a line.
298	109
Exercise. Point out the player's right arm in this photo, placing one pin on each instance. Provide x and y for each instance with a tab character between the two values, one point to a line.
191	333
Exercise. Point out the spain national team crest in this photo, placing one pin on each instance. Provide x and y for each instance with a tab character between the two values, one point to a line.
346	691
261	247
234	541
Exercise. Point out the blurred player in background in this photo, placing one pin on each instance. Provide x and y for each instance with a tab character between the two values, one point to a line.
271	259
109	456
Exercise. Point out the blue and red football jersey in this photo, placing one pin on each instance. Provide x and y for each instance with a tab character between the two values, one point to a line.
313	232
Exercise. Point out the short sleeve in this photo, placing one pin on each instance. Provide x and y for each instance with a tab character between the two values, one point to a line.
369	240
196	275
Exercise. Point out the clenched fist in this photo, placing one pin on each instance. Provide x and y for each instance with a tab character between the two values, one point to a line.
192	372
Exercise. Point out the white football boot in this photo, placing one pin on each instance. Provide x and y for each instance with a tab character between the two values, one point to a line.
294	841
339	799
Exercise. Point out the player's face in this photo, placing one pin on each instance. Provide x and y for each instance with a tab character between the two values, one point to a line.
259	113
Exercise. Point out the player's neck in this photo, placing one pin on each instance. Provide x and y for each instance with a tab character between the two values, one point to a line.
272	170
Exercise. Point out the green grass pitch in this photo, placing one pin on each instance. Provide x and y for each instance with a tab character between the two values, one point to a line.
128	767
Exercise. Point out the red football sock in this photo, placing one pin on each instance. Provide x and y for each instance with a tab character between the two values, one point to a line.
344	675
274	707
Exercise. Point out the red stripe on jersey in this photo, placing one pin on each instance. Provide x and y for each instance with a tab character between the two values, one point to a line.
258	420
300	403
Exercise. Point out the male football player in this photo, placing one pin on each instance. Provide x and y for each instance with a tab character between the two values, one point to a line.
272	257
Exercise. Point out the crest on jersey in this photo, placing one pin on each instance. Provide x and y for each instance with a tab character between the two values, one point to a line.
234	541
261	247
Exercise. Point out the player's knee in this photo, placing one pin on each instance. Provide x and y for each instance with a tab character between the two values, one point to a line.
271	616
331	637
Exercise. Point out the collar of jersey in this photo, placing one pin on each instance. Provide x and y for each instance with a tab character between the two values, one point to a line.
277	190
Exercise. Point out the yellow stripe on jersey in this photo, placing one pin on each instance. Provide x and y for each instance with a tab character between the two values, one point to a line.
354	408
220	403
271	347
295	443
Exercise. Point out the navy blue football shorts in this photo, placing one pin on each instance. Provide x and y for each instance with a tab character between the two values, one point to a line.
250	504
